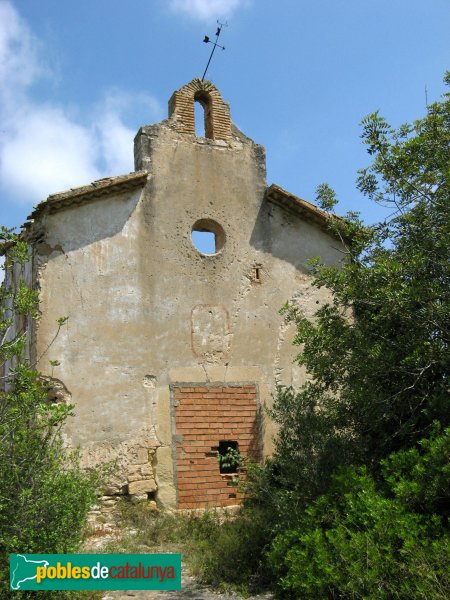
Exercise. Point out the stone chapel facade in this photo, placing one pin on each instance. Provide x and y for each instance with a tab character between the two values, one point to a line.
171	354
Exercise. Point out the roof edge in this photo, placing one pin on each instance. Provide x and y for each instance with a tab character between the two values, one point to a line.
79	195
308	211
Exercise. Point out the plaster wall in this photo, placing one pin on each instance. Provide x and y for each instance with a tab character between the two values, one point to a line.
147	310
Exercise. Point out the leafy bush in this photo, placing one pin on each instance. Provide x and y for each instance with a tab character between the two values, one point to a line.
45	496
363	540
420	476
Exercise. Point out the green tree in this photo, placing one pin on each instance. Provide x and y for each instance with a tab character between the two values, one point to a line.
44	496
360	472
379	352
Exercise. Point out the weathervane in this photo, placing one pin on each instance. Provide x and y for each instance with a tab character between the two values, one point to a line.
215	44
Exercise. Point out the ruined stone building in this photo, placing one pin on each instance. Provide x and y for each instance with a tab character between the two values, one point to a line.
170	352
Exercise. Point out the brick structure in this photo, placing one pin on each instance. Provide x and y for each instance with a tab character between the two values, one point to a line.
216	111
207	417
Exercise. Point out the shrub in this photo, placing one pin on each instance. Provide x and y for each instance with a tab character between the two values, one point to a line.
45	496
364	540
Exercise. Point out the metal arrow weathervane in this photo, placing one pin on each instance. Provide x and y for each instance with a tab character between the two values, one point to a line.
215	44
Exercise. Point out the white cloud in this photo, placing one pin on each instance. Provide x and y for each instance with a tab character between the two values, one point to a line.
19	64
115	138
206	10
46	152
44	148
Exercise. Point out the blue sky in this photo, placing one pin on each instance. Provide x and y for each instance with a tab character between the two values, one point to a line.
79	77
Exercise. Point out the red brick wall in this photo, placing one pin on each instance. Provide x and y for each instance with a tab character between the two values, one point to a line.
205	415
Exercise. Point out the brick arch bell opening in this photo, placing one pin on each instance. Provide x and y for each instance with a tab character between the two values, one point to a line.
203	99
217	120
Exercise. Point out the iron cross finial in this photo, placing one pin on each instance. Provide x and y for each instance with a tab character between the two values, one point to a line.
215	44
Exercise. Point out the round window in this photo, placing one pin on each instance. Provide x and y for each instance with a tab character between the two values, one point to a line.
208	236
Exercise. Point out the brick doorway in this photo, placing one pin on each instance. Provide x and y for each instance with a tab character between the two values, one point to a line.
206	418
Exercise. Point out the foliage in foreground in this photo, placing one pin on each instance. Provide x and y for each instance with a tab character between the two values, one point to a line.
361	467
220	548
45	496
367	540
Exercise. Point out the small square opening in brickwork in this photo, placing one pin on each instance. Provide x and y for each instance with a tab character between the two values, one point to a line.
228	456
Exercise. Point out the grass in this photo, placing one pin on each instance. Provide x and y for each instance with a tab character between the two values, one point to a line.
219	548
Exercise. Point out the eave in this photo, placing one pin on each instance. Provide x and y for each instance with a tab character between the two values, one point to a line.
306	210
95	190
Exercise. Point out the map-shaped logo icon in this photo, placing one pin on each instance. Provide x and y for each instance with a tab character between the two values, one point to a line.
23	569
